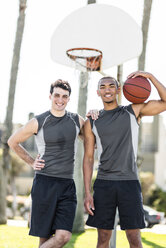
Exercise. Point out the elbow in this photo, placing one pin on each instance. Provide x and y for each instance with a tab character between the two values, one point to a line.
10	143
91	160
88	160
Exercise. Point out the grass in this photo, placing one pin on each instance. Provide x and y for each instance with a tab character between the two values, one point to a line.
17	237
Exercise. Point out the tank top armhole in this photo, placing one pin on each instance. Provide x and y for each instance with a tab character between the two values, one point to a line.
77	120
39	125
91	122
41	120
131	111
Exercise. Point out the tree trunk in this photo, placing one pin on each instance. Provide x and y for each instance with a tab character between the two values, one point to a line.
9	115
83	91
14	194
79	219
2	197
91	1
141	62
119	78
145	29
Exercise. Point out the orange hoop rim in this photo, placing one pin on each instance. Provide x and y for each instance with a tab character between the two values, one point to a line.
88	61
74	57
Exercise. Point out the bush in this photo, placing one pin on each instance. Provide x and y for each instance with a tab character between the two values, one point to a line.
158	199
152	195
147	185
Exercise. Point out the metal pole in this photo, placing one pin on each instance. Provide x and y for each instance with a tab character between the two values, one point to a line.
82	102
113	237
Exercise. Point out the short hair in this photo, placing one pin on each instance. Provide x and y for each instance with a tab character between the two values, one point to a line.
109	78
60	84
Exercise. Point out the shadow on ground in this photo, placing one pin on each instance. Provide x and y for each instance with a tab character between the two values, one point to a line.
72	241
151	244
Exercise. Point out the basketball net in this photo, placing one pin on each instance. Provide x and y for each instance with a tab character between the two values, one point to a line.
85	60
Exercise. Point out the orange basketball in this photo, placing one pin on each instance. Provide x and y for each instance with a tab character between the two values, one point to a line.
136	90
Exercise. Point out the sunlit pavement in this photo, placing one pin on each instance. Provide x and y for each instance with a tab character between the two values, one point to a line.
21	223
160	229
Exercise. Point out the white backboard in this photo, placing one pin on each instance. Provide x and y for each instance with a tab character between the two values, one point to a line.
98	26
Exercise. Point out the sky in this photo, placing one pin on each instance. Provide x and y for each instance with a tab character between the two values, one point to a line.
36	68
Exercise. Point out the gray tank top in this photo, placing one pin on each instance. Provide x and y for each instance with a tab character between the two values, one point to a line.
56	141
116	133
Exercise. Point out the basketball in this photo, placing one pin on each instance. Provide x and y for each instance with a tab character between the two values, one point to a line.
136	90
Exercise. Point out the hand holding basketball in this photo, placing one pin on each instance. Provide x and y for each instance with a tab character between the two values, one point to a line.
137	88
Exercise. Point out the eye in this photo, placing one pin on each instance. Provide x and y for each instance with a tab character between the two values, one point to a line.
56	95
65	97
102	87
112	86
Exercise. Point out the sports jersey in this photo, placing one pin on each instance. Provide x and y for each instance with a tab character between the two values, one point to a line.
56	141
116	133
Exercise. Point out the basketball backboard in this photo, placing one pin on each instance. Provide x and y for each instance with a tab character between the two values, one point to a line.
98	26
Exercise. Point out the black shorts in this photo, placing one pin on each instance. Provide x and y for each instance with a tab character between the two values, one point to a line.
53	205
126	195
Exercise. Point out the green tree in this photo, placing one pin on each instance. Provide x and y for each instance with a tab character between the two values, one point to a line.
8	126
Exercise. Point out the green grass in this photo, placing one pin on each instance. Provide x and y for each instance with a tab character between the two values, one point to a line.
17	237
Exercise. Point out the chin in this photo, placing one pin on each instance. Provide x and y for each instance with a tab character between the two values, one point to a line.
59	108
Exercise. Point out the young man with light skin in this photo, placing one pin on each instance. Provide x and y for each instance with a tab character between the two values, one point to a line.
115	131
53	192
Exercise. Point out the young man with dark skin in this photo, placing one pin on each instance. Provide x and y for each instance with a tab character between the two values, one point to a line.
53	191
115	131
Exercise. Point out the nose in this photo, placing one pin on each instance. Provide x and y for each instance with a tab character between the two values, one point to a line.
60	100
107	89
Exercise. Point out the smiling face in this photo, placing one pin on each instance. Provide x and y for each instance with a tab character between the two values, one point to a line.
108	90
59	99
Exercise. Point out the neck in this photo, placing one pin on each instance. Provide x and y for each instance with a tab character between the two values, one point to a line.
110	105
58	113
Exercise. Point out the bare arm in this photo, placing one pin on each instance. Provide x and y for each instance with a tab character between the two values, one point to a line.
22	135
152	107
88	161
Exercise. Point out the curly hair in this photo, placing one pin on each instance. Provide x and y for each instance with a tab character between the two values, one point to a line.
60	84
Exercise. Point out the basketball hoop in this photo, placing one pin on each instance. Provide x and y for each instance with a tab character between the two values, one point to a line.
86	59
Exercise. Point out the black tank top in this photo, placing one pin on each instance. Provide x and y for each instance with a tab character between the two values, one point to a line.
116	133
56	142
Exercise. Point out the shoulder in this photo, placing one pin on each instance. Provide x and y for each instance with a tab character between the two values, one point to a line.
99	117
30	127
41	118
81	121
88	125
78	120
137	108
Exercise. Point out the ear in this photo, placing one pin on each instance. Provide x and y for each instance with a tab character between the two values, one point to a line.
98	93
118	90
50	96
